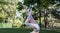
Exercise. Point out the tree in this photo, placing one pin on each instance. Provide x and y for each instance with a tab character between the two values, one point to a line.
7	8
41	4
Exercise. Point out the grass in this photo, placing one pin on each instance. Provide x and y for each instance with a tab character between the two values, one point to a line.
24	30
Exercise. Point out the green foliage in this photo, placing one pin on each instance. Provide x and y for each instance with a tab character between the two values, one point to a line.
19	7
3	15
7	8
56	14
28	2
40	3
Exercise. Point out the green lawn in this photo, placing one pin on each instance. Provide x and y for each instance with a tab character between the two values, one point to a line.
24	30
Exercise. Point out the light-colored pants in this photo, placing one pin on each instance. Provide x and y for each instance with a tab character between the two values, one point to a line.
36	26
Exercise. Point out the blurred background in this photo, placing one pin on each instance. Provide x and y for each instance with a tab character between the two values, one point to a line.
45	12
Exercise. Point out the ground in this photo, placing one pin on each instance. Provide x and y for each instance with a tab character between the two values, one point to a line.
24	30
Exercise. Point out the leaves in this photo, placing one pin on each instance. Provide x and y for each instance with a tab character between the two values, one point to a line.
7	8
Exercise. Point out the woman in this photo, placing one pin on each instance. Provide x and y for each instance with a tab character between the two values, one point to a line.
30	21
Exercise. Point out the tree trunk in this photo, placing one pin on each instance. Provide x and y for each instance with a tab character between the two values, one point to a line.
40	19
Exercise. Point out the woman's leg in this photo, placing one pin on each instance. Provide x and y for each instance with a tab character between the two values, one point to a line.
31	25
36	28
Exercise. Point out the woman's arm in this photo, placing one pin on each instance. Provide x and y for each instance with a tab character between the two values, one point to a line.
28	19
